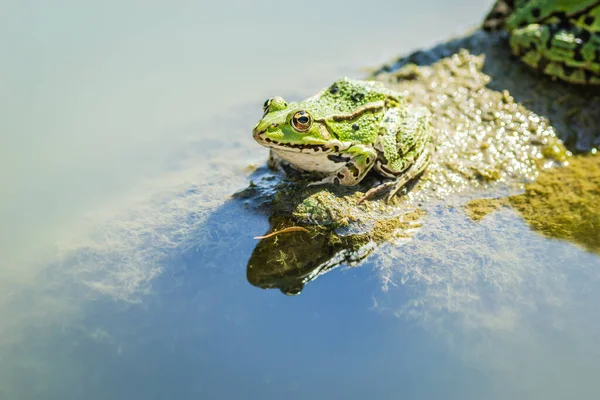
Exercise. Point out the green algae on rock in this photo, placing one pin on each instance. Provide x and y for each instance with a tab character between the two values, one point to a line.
563	203
480	135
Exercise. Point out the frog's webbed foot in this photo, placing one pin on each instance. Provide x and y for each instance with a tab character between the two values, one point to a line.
390	187
376	191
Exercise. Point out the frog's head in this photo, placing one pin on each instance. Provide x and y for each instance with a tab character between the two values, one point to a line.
290	125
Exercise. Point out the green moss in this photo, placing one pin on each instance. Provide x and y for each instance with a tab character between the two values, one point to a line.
563	203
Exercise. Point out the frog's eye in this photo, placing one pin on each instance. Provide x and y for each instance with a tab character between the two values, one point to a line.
301	121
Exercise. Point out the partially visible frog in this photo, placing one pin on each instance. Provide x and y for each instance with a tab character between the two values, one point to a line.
560	38
347	129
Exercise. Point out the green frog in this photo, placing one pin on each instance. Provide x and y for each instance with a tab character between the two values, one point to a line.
346	130
560	38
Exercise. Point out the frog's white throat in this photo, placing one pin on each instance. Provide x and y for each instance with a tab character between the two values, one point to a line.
310	160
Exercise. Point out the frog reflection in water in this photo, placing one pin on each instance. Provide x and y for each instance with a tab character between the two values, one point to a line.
346	130
560	38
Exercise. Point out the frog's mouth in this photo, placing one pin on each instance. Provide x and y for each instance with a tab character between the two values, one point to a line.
295	148
259	136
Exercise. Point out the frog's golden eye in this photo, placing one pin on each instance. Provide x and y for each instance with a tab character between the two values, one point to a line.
302	121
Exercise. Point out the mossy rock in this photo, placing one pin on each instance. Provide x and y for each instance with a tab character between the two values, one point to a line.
496	126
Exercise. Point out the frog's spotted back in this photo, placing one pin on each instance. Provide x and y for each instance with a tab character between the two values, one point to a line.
345	95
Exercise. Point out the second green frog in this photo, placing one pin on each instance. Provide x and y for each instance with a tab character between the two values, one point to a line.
560	38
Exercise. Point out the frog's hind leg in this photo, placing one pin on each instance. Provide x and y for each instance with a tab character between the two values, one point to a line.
411	173
571	53
392	187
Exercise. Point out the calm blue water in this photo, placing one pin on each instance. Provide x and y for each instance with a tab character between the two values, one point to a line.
513	317
124	274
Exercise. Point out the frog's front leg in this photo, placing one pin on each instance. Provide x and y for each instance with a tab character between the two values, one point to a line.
566	53
355	162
